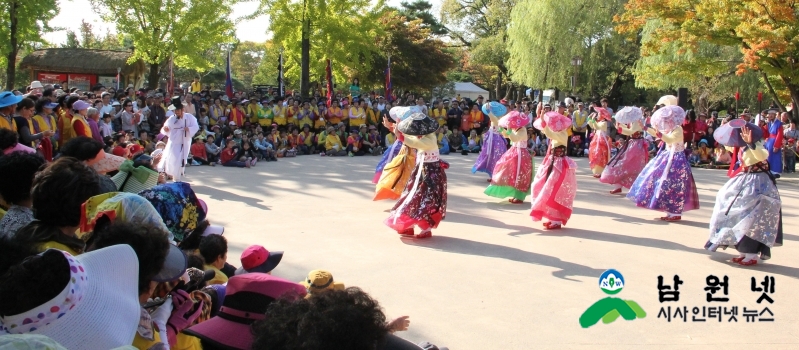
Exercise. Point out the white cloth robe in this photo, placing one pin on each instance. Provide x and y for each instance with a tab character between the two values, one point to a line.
181	132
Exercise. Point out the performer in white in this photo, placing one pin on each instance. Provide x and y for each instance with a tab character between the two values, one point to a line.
180	128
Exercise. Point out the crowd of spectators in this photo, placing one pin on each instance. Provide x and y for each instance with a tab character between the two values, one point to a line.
99	250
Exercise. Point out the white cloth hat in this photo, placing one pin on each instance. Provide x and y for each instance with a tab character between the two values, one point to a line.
36	85
99	307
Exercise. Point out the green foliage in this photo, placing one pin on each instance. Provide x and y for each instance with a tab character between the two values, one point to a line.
420	9
266	73
344	31
446	90
158	28
245	59
89	40
33	18
417	59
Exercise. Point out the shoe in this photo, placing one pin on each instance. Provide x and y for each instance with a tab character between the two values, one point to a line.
515	201
737	259
247	165
489	180
596	176
408	232
213	164
671	218
748	263
349	154
322	154
618	190
552	226
253	162
777	176
424	234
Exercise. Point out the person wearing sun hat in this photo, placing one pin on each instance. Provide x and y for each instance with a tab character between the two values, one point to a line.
257	259
513	173
424	201
319	281
599	148
555	184
79	111
666	183
180	128
90	301
748	209
246	300
627	163
8	104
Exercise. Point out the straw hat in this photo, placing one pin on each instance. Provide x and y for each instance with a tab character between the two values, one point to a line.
320	280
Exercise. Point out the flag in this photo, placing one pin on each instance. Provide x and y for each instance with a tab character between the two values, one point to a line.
228	78
170	86
329	71
118	70
388	80
281	89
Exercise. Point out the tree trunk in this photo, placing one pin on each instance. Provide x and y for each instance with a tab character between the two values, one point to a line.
508	91
794	89
305	59
152	78
497	86
11	68
771	91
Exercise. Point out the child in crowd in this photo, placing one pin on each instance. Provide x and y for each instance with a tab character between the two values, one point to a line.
354	144
789	152
577	146
211	149
199	153
247	154
472	143
265	148
282	144
228	156
213	249
721	157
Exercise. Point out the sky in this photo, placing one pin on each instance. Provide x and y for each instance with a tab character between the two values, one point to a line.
72	11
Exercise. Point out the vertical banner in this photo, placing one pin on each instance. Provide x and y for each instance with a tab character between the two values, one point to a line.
388	80
228	78
329	72
281	87
170	86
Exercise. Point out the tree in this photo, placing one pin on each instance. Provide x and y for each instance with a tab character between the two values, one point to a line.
311	31
22	26
418	61
542	50
481	25
267	68
765	32
89	40
245	59
446	90
420	9
184	29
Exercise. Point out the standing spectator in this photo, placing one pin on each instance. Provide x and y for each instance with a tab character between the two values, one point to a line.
44	119
79	111
130	119
689	128
195	85
476	118
789	152
701	129
580	124
454	115
158	114
25	129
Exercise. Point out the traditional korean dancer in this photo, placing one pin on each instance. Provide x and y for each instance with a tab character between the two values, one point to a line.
493	143
666	183
397	172
392	151
514	171
424	200
599	149
624	167
748	210
555	183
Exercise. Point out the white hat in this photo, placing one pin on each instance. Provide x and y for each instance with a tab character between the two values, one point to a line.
98	308
36	85
214	230
668	100
171	107
116	103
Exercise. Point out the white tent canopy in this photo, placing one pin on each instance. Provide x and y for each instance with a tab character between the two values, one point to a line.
469	90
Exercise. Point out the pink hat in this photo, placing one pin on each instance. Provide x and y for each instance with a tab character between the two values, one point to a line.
553	120
603	113
246	300
514	120
257	259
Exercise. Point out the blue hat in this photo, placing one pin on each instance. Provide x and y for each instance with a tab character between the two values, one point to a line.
498	109
51	105
7	98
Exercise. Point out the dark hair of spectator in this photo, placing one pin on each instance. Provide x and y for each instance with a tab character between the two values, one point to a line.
8	139
26	103
60	189
33	282
212	247
82	148
17	170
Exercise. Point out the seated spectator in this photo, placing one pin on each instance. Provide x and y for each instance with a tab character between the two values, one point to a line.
333	144
257	259
456	141
159	261
473	143
9	142
198	152
211	149
321	140
228	156
17	171
213	249
704	152
181	211
319	281
307	144
354	144
443	140
336	319
247	154
721	157
371	142
57	194
92	153
247	298
37	296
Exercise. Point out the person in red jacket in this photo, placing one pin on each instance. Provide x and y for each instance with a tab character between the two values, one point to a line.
228	156
198	152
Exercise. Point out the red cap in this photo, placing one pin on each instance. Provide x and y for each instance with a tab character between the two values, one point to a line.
136	149
119	151
253	256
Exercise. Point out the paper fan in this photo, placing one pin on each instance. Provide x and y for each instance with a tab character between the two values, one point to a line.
668	100
602	113
668	118
629	115
729	134
556	121
496	108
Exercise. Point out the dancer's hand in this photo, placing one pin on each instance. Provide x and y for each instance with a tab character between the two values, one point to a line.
746	134
399	324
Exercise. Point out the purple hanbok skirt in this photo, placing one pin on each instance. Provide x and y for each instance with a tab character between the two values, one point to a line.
494	147
388	155
673	192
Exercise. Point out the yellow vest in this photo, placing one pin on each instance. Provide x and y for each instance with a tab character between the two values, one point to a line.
4	124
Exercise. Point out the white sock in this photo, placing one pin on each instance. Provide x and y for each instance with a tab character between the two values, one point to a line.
616	187
672	215
555	222
750	256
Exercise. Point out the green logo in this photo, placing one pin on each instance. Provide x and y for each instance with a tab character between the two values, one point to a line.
609	309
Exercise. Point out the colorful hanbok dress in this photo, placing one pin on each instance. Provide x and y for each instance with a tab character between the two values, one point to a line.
513	173
388	155
555	183
599	149
624	167
494	145
748	209
394	175
666	183
424	200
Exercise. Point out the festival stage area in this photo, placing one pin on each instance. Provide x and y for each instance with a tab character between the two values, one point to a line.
490	278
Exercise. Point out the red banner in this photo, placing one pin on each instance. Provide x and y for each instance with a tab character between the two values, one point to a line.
51	78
